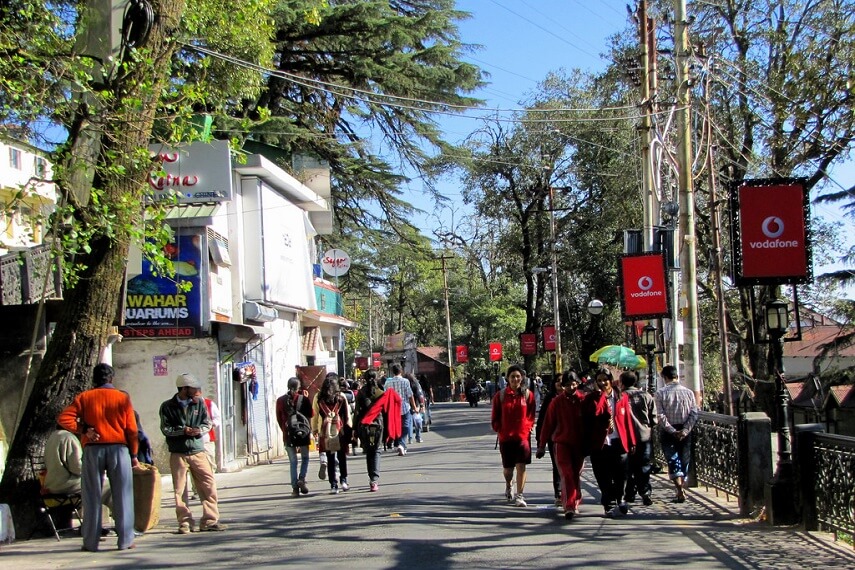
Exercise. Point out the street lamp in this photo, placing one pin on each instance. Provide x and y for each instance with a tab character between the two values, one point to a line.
782	509
595	307
648	341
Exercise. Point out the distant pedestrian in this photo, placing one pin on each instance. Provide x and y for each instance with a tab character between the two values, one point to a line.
564	427
293	412
512	419
644	419
552	391
612	439
183	420
408	402
427	390
678	413
105	419
416	414
330	416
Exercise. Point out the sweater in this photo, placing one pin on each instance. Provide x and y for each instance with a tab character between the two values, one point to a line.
564	423
63	463
107	410
513	414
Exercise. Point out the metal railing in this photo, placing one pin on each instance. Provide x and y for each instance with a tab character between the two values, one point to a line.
826	465
27	275
715	452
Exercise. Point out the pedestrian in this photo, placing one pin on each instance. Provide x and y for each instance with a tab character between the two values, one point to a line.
209	440
427	390
331	414
564	427
293	412
612	439
553	389
183	421
347	392
416	413
678	413
105	418
408	402
372	422
644	418
512	418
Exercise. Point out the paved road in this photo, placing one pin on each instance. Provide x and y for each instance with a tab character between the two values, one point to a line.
442	506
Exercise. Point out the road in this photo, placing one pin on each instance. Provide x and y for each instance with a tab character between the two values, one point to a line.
442	506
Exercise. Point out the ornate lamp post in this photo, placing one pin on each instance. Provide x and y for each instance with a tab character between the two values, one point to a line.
648	341
782	511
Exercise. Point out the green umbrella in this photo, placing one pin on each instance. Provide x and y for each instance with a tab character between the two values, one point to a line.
620	356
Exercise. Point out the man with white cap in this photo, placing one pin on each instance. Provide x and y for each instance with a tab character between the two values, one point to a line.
184	420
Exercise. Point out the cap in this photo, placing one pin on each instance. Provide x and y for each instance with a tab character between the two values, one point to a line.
188	380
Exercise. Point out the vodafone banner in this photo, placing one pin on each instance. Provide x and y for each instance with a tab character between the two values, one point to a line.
528	343
495	351
644	287
375	358
549	338
772	237
462	353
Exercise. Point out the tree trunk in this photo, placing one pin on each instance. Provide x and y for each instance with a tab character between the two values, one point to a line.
90	307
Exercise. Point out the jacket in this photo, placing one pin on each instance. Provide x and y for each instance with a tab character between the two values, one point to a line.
598	418
513	414
174	418
564	422
387	404
283	407
644	416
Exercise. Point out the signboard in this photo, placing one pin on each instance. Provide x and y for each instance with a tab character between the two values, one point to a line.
528	344
155	305
549	338
375	359
644	286
361	362
771	222
335	262
495	351
462	353
195	173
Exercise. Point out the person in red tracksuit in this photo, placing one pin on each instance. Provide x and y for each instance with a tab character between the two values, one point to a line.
513	418
565	428
609	416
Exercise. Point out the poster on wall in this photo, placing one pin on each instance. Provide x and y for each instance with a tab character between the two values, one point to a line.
160	365
157	306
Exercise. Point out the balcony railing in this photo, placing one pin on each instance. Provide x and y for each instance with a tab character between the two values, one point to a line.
28	275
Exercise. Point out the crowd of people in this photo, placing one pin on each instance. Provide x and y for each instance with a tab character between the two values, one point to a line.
609	420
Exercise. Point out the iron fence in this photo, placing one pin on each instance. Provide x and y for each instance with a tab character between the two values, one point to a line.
827	469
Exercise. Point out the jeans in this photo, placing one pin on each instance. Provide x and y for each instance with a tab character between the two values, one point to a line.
638	479
304	463
336	458
406	430
609	466
372	462
678	453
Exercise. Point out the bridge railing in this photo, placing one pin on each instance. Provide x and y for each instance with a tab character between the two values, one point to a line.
715	451
825	464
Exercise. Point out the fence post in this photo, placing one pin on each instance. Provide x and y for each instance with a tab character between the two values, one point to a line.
755	460
805	471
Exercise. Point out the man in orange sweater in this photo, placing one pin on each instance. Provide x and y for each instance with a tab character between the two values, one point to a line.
105	419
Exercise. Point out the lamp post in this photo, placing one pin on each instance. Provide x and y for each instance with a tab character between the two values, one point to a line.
554	263
782	509
648	340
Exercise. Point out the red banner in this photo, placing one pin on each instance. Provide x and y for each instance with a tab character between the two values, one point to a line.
644	287
462	353
773	237
495	351
375	358
361	362
549	338
528	343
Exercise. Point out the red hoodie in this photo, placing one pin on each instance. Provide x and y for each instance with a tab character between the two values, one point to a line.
513	415
564	423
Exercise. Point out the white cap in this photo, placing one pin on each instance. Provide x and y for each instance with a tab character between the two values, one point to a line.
188	380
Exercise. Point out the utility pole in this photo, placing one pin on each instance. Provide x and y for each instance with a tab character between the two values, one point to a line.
647	37
442	259
688	252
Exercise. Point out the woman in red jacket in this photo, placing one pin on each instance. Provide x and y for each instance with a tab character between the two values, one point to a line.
565	428
513	419
612	438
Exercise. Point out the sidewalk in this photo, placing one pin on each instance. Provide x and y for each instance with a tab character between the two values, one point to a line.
442	506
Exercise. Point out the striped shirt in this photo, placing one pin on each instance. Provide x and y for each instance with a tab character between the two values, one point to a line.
677	406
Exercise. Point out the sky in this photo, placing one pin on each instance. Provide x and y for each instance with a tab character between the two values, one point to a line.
522	41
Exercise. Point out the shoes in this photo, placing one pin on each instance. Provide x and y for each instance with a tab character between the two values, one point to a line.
213	527
131	546
322	471
344	485
681	495
623	508
185	528
609	512
568	515
374	487
401	450
508	494
519	501
629	498
410	441
557	501
301	485
647	500
295	492
334	490
418	440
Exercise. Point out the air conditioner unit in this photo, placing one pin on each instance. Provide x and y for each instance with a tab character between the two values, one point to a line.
253	311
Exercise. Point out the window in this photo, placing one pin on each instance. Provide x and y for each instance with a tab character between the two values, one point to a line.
41	167
15	158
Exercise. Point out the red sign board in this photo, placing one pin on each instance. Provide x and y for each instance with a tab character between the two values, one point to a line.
644	287
375	358
495	351
361	362
462	353
549	338
773	241
528	343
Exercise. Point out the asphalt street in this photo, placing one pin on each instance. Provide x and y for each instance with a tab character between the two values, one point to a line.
442	506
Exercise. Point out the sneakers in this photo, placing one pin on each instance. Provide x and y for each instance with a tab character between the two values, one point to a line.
344	485
568	515
557	501
374	487
508	494
401	450
334	491
301	485
213	527
295	492
185	528
519	501
646	500
623	508
322	471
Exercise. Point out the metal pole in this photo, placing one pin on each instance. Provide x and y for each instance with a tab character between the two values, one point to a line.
555	306
688	254
651	370
447	325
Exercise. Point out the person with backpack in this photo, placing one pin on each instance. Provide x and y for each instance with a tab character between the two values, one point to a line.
371	434
331	414
293	411
350	396
512	419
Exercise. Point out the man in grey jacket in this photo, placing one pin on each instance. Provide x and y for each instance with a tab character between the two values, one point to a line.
183	420
644	419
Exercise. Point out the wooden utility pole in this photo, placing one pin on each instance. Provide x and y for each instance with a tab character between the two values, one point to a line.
442	259
647	41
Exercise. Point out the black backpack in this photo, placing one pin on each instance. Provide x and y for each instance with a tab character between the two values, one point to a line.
299	429
371	434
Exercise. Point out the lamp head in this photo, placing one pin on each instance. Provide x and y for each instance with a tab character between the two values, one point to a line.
595	307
